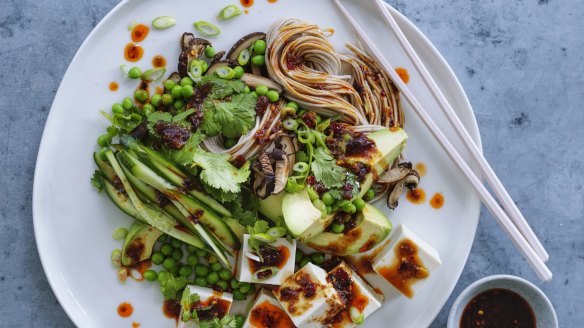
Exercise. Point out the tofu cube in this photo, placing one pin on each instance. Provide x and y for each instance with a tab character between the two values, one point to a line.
212	305
246	266
406	262
308	298
267	312
358	296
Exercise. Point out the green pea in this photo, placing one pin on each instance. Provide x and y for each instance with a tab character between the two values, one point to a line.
229	143
212	278
176	243
244	287
216	267
329	209
134	72
341	202
104	140
255	94
178	104
317	258
167	99
191	249
369	194
201	253
201	270
162	238
238	296
259	47
262	90
337	227
238	71
328	199
157	258
222	284
185	271
293	105
166	249
127	103
162	275
177	254
225	274
239	321
258	60
169	263
192	259
299	256
210	52
187	91
201	281
169	84
150	275
252	290
246	89
304	262
273	95
350	208
359	204
212	259
234	284
147	109
117	108
186	81
176	92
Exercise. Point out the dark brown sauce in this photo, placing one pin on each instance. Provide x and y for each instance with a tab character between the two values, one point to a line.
406	270
437	201
140	32
350	293
211	308
246	3
364	264
421	168
499	308
133	52
416	196
114	86
273	257
171	309
125	309
159	61
403	74
267	315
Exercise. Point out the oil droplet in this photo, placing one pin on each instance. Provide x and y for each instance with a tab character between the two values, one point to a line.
140	32
125	309
113	86
133	52
135	324
246	3
159	61
416	196
421	168
437	200
403	74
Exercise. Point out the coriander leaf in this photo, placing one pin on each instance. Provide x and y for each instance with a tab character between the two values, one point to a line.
187	303
326	170
171	285
126	122
220	195
225	322
112	131
232	119
221	88
155	117
185	155
181	117
245	209
96	181
260	226
219	173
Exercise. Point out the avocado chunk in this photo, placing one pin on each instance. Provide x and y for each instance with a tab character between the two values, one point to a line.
139	243
389	143
271	206
302	218
372	227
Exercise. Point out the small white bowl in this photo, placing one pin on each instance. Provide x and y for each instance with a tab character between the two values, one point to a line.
545	315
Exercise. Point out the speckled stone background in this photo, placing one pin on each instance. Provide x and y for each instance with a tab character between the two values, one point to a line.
520	62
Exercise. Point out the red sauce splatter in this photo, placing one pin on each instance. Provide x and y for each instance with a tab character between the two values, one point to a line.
272	256
141	268
159	61
421	168
416	196
246	11
406	270
140	32
437	200
135	324
125	309
403	74
267	315
133	52
246	3
272	1
113	86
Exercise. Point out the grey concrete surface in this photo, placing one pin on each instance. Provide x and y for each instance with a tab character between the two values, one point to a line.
519	61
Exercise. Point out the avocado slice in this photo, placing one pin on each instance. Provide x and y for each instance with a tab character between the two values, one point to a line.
271	207
389	143
303	219
139	243
372	227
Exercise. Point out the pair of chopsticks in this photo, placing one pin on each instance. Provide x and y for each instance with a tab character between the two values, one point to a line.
508	216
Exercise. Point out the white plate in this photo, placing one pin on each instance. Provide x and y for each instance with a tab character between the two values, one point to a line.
73	223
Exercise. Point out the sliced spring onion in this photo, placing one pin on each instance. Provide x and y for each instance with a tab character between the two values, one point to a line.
163	22
277	232
252	256
306	137
196	69
133	24
229	12
206	28
117	258
125	69
323	125
225	72
301	167
264	237
122	274
259	276
153	74
243	57
356	316
293	186
120	233
290	124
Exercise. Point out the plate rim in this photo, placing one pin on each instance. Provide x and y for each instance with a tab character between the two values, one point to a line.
67	300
